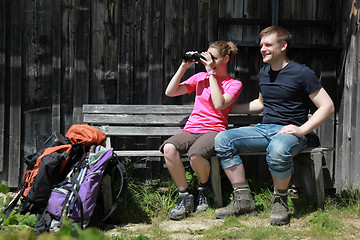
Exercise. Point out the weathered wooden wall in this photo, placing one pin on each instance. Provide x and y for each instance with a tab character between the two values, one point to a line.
58	55
348	136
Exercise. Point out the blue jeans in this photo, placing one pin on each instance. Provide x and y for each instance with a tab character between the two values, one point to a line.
280	148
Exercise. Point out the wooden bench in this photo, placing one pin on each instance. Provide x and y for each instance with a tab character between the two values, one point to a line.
154	122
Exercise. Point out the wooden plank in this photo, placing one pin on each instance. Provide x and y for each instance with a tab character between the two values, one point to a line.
216	180
15	95
37	107
2	82
139	131
150	119
104	52
68	59
98	55
157	153
155	77
125	119
252	11
231	9
191	32
126	43
56	67
82	58
141	52
134	109
173	42
213	20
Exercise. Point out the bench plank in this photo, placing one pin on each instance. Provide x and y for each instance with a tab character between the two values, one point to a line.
138	130
157	153
137	109
127	119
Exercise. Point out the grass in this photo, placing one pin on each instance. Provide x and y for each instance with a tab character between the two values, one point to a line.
148	204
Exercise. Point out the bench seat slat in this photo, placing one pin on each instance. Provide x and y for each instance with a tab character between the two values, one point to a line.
137	109
138	130
151	119
127	119
157	153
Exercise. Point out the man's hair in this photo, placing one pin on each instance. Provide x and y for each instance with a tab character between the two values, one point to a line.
281	33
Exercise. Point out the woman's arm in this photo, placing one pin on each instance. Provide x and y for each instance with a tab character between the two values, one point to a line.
175	88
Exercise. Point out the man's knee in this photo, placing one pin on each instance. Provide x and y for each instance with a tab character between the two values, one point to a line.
219	139
282	167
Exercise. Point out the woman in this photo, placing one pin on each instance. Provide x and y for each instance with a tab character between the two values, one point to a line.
216	93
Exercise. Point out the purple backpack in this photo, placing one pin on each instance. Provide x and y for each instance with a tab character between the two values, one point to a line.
76	196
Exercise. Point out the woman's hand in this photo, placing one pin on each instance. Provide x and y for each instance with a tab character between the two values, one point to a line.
208	61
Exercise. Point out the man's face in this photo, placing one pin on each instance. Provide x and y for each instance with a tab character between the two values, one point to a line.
271	50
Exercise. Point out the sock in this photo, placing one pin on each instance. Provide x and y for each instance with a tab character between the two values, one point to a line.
281	192
203	186
240	185
184	193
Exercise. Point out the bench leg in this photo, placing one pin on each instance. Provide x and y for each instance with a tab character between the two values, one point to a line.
309	174
108	142
107	193
319	178
216	181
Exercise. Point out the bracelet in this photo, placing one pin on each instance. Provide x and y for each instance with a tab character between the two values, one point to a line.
212	72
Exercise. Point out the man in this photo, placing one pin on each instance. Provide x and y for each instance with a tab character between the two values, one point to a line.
286	92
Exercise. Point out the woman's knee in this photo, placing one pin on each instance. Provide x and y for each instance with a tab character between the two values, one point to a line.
196	158
170	150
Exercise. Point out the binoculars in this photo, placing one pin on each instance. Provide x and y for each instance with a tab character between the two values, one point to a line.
194	57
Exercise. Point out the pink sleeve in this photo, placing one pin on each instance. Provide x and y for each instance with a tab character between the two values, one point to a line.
191	82
233	88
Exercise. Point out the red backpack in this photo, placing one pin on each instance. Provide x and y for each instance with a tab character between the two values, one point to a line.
50	165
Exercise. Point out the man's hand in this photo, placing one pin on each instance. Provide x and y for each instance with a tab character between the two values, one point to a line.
292	129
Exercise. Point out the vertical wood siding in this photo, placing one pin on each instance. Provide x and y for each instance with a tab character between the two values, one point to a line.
58	55
348	136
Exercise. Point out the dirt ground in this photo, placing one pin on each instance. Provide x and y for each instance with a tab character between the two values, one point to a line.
185	229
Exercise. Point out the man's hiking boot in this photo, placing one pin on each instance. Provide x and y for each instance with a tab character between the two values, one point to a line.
183	208
279	210
242	203
202	203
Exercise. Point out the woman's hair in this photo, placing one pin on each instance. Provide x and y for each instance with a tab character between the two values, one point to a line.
281	33
225	48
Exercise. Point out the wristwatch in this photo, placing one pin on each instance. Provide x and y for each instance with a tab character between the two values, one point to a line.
212	72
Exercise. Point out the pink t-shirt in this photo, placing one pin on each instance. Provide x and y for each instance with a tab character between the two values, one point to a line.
204	117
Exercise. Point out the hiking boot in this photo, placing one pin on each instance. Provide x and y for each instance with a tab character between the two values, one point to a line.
242	203
279	210
202	203
183	208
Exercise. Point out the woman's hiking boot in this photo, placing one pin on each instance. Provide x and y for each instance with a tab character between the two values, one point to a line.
242	203
279	210
183	208
202	203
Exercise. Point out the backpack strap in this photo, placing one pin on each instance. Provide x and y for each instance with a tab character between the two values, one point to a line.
67	207
118	196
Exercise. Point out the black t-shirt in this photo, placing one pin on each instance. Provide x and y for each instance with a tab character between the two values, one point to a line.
286	93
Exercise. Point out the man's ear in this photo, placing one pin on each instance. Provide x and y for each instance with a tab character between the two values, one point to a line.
284	46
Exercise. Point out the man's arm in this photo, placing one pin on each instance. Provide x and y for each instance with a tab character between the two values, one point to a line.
325	109
255	106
